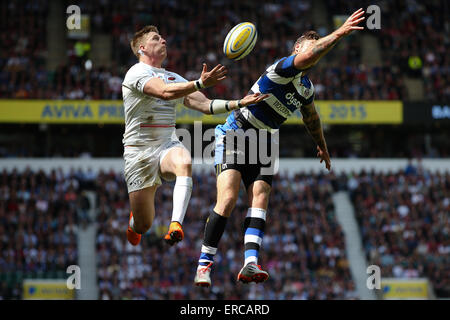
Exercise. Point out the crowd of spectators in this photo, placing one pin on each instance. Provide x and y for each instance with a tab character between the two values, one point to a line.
403	219
23	53
416	42
303	248
195	31
40	215
413	41
405	224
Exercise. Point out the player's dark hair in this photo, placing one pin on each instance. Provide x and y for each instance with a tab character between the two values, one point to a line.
308	35
135	42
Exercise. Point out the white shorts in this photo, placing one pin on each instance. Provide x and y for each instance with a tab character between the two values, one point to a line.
142	163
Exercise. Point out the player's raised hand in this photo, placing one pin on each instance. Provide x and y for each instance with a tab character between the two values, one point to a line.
210	78
253	98
324	156
352	22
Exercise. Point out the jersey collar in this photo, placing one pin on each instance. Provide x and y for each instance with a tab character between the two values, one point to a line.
152	67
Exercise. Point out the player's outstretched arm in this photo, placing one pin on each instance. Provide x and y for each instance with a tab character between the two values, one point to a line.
311	119
198	101
156	87
312	54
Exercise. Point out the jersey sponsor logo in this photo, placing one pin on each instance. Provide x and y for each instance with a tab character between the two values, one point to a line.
292	100
280	108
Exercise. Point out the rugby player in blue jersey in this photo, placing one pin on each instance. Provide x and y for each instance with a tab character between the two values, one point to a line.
289	89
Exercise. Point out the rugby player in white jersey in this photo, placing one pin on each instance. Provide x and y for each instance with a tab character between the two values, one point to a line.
151	148
289	89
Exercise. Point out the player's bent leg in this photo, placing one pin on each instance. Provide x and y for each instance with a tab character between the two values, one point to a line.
254	228
228	183
142	203
177	163
259	194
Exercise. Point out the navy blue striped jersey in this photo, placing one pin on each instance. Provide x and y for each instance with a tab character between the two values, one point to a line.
288	90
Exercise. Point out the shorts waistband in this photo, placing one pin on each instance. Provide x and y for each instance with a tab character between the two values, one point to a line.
241	122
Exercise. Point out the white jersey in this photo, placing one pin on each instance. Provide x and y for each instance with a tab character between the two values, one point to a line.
148	119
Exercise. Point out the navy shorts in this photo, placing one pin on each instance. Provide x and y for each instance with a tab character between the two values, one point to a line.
240	146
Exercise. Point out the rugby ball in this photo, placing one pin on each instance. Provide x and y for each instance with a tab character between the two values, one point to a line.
240	41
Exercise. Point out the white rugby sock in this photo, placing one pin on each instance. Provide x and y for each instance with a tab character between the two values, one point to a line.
181	196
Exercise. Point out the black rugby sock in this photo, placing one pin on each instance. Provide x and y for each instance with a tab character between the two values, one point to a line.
214	228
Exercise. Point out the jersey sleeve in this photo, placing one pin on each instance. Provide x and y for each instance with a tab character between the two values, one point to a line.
137	78
285	67
307	90
310	99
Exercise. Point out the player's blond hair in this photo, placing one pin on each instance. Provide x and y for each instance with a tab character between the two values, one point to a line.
138	38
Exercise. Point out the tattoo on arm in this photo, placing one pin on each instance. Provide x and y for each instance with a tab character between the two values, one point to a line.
312	122
324	45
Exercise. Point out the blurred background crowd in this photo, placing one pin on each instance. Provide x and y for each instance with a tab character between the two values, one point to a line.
405	225
403	220
412	43
39	219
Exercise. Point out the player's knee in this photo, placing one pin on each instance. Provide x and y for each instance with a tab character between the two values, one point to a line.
261	194
226	204
183	167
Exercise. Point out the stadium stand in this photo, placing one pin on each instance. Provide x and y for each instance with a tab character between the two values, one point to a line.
337	78
404	223
413	44
39	219
403	219
23	57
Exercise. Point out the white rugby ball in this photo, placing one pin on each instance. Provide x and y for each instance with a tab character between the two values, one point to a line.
240	41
